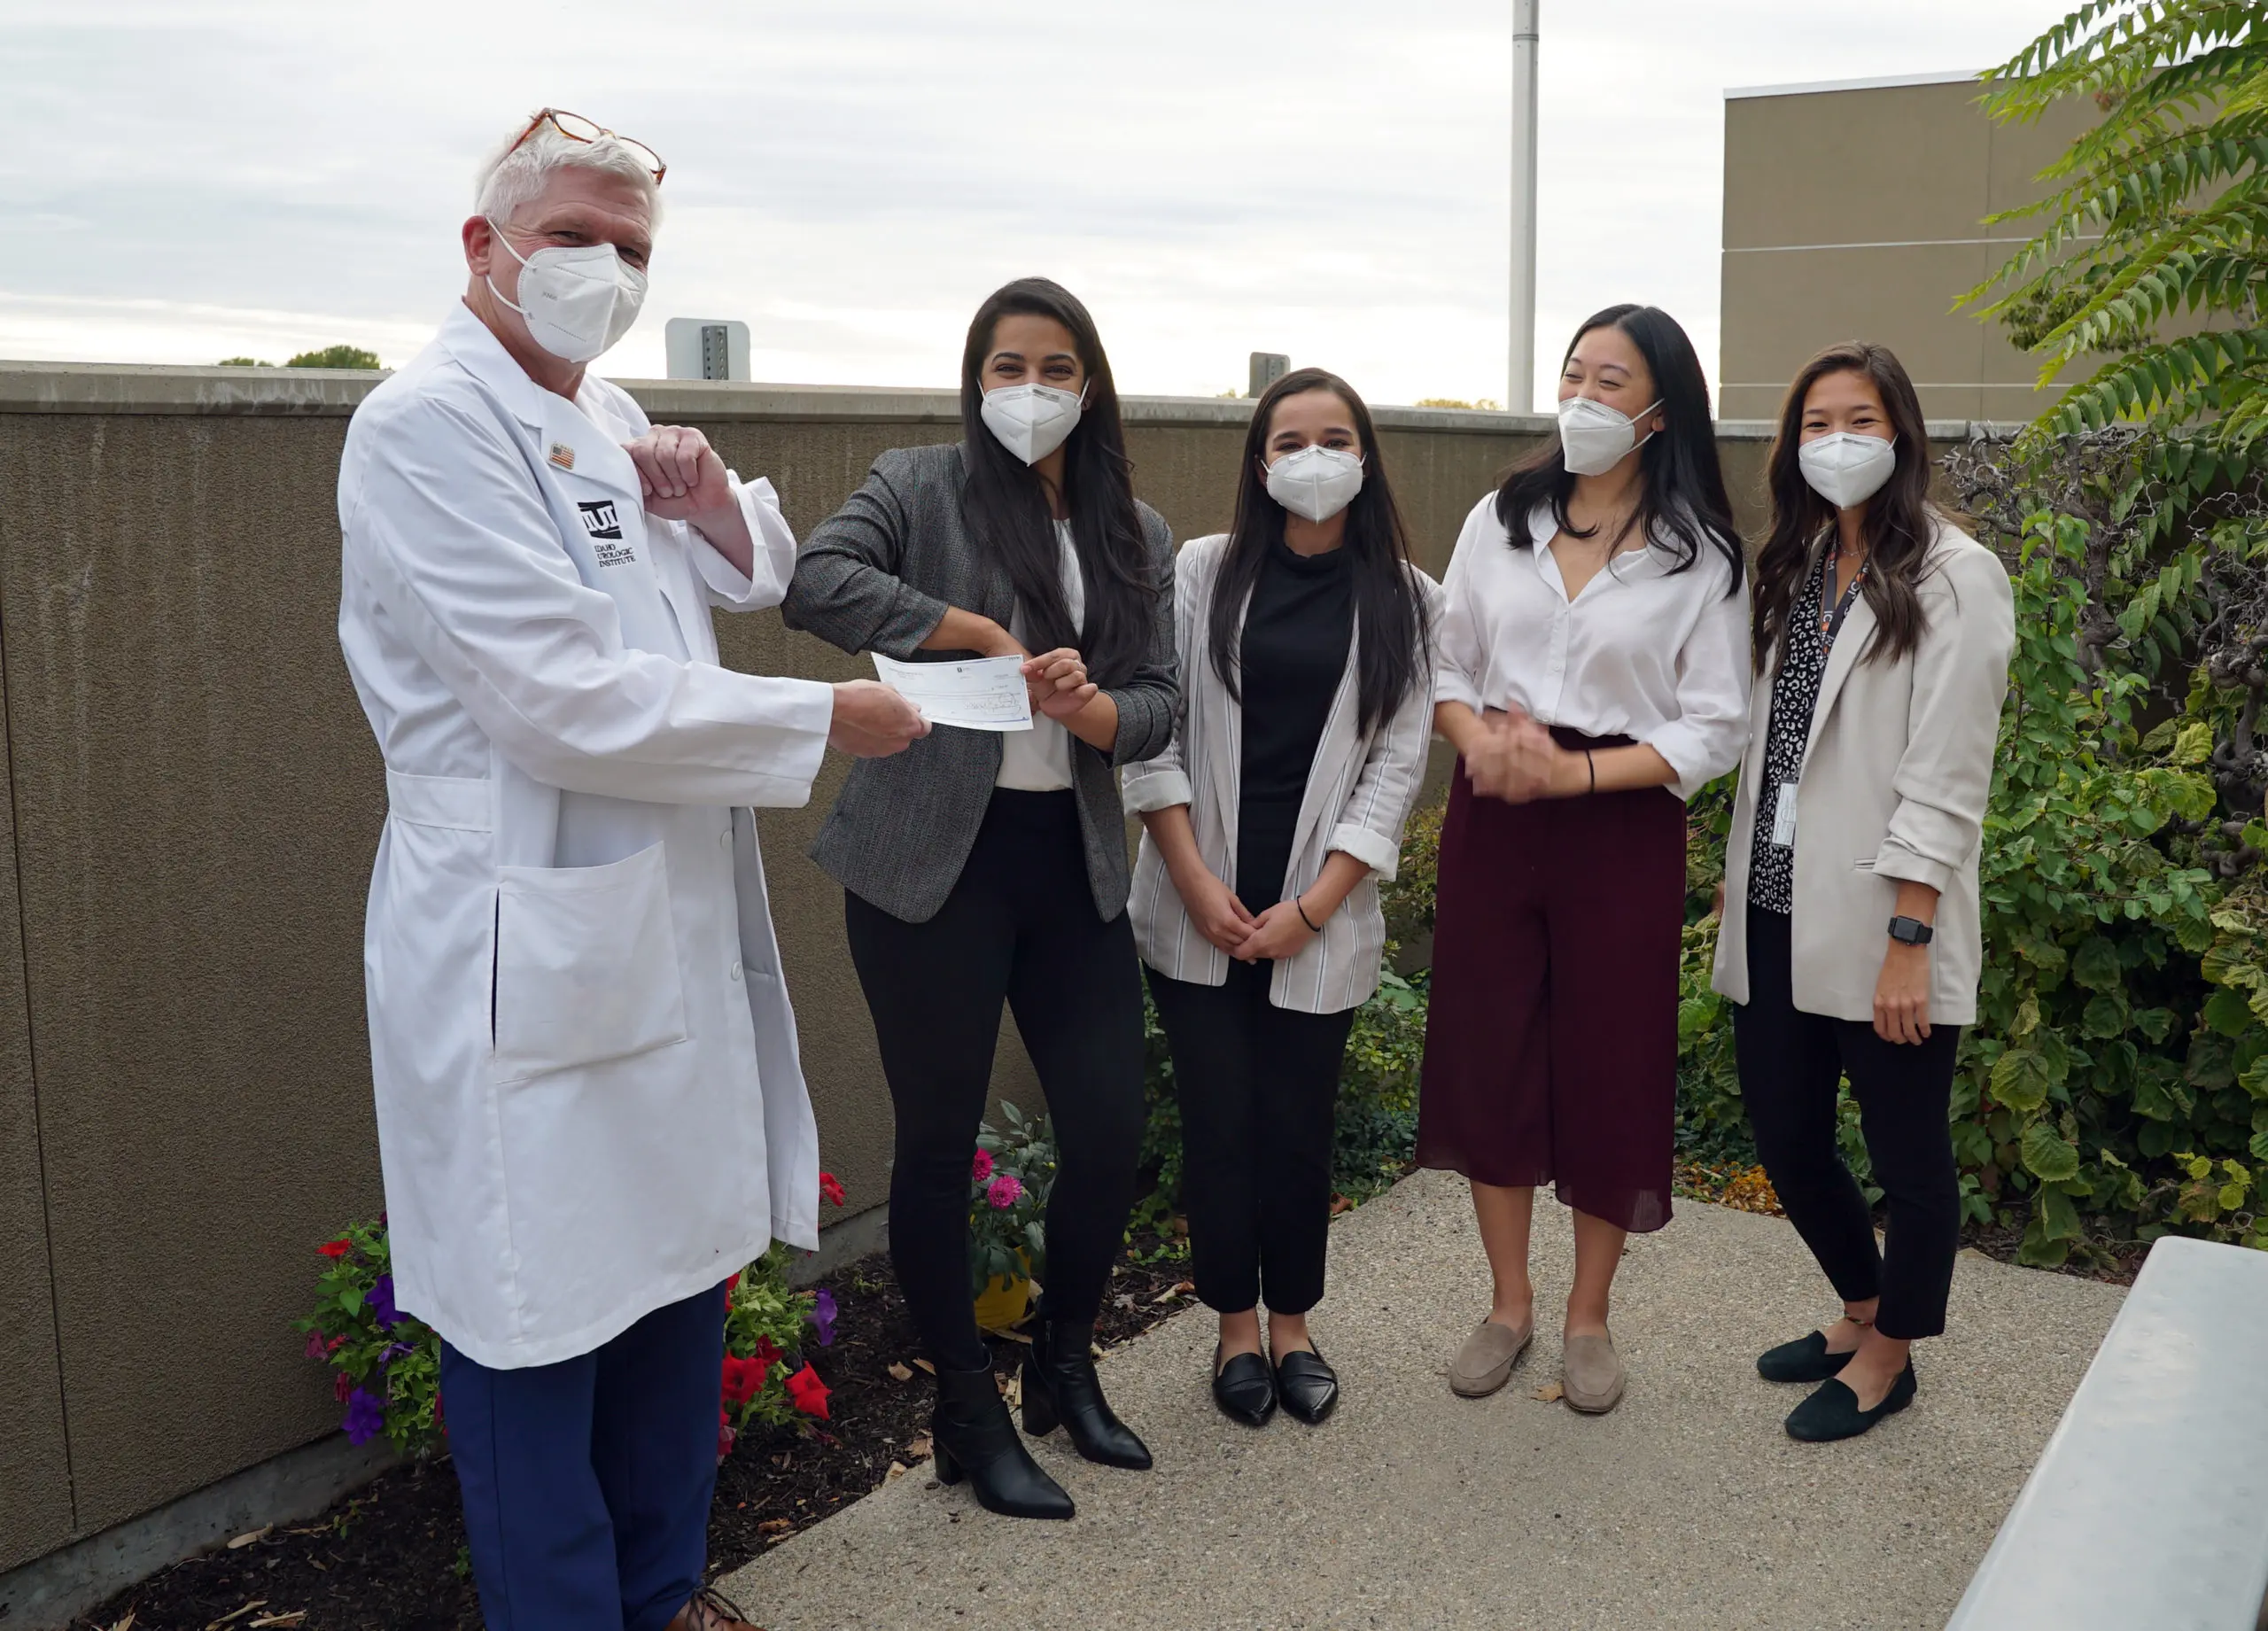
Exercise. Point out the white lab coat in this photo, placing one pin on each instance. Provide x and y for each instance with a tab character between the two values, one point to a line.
588	1100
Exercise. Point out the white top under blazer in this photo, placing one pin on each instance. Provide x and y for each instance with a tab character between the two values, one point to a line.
1658	655
1360	791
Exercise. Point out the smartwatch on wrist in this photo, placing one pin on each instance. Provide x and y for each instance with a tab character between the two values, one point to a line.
1910	931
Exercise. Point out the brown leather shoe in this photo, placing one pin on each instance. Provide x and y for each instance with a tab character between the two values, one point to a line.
1485	1362
710	1610
1591	1377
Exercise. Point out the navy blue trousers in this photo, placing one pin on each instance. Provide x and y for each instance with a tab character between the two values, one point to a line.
587	1483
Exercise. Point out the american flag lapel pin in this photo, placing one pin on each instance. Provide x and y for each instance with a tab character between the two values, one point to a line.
562	455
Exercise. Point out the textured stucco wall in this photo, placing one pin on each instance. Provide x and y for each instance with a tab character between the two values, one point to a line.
184	1094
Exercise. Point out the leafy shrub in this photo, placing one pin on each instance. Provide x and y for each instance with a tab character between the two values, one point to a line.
387	1364
1010	1180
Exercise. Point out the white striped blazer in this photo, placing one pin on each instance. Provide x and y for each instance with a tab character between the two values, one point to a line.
1359	793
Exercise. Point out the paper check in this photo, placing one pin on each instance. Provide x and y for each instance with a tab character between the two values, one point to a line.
983	694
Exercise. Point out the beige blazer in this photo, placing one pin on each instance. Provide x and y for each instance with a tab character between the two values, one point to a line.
1893	787
1359	793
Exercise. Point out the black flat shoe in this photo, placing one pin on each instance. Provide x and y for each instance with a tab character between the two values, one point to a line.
1804	1359
1061	1387
1244	1388
1308	1386
1833	1413
974	1439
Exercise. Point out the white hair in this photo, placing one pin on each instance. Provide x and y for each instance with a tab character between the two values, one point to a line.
515	176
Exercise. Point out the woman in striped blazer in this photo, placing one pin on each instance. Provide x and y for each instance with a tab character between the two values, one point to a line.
1306	704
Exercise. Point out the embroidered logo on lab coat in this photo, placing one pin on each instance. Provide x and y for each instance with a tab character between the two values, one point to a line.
599	519
562	455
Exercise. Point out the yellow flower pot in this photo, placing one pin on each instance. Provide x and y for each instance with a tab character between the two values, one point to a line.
1003	1304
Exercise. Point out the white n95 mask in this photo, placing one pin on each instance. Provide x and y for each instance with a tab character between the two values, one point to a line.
1031	420
1846	468
577	300
1593	437
1315	482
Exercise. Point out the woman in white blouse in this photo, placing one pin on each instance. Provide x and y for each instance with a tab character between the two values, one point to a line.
1593	675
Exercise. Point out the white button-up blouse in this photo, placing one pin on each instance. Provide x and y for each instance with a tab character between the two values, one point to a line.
1658	655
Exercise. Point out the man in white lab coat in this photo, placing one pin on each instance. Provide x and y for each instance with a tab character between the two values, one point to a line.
590	1112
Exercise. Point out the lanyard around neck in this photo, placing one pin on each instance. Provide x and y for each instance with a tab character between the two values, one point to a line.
1831	623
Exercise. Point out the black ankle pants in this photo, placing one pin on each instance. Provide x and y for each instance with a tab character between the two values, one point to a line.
1258	1087
1020	926
1790	1065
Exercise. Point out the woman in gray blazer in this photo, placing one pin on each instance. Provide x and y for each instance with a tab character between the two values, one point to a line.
1851	938
993	866
1307	669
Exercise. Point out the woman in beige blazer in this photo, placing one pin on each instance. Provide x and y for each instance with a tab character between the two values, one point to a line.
1307	702
1851	935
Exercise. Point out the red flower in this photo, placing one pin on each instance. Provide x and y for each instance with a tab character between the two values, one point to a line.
341	1386
743	1378
831	1187
808	1393
981	1168
335	1249
766	1354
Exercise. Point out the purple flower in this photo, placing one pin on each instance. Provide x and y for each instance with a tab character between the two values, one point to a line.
822	1316
380	1300
391	1352
366	1418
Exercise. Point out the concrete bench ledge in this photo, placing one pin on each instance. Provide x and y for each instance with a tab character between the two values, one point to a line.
2149	1506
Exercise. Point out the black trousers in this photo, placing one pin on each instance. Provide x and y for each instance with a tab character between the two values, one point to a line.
1021	925
1791	1063
1258	1086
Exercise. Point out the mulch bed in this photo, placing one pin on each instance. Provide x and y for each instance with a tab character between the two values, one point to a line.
392	1556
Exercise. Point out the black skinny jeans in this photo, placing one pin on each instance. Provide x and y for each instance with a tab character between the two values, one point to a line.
1791	1063
1259	1087
1020	925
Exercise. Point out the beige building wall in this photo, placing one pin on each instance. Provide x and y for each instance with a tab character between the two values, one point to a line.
1857	212
190	801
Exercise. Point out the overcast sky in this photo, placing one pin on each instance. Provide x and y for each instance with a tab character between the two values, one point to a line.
185	180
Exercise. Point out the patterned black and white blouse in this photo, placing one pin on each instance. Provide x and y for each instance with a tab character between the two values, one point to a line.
1795	694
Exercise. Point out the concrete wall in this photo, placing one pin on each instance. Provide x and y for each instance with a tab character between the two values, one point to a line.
1858	213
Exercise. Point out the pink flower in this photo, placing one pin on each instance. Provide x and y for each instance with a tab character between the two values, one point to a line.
982	1167
316	1349
1004	1191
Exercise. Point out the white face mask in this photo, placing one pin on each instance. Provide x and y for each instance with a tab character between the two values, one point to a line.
1593	437
1315	482
1031	420
577	300
1846	468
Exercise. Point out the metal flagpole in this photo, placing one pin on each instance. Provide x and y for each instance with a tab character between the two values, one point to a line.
1520	394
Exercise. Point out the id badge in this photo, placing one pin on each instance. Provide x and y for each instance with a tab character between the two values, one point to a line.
1783	817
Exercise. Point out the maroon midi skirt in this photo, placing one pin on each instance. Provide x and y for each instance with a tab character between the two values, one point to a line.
1551	1035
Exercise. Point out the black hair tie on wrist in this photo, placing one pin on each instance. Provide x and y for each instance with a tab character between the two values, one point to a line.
1300	907
1593	763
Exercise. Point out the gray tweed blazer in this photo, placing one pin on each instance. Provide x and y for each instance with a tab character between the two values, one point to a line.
879	575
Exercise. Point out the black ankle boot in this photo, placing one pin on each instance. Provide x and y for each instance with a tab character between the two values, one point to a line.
1060	1385
973	1438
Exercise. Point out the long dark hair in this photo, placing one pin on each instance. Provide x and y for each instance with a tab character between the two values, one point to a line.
1683	505
1393	639
1006	503
1896	525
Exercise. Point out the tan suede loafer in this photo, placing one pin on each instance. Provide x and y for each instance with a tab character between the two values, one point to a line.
1591	1377
1485	1362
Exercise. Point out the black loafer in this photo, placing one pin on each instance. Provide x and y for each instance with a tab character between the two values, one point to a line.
1804	1359
1244	1388
1833	1413
1308	1386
